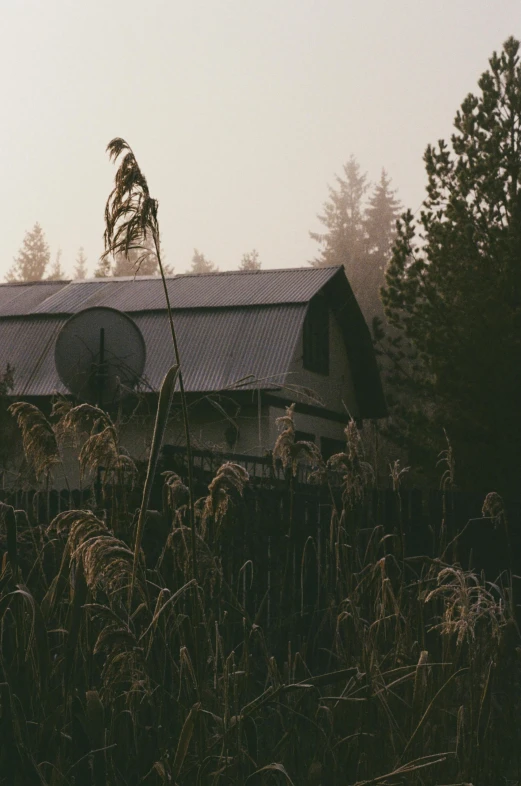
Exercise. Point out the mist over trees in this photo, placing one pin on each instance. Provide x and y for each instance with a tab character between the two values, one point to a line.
360	226
57	273
250	261
80	268
32	259
381	213
201	265
136	262
453	292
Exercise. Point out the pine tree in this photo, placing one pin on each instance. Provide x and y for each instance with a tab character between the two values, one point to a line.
80	269
359	235
380	216
140	261
344	242
201	265
32	258
57	273
453	295
250	261
103	269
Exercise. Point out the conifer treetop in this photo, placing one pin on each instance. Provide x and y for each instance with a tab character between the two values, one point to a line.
57	273
32	259
201	265
250	261
80	269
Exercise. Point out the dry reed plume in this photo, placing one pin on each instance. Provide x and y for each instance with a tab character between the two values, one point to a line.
229	480
105	560
468	605
289	451
357	473
39	440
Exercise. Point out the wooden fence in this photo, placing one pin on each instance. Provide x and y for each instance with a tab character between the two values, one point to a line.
429	521
283	553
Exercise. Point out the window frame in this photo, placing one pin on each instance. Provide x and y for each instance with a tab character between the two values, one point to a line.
305	436
316	336
329	446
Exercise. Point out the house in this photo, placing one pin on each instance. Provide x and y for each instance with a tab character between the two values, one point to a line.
250	343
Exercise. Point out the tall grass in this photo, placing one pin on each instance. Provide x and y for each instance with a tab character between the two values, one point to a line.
375	668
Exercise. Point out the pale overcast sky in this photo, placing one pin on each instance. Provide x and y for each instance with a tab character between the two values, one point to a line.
240	112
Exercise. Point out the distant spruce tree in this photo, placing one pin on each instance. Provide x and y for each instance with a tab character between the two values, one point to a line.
344	241
453	292
381	214
103	268
250	261
57	273
201	265
32	259
80	269
137	261
359	233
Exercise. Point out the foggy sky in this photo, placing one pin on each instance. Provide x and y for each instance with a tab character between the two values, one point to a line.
240	112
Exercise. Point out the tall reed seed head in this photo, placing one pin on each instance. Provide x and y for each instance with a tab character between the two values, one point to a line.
106	560
356	472
494	508
130	212
468	606
38	438
229	482
291	452
176	493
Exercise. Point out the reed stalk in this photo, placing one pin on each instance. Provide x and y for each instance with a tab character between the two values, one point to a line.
130	217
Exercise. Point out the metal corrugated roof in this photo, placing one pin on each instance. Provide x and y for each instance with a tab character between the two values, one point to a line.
215	290
27	344
218	348
79	295
229	325
23	298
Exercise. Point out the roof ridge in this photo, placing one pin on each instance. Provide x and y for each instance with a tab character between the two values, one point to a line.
112	279
37	283
309	268
121	279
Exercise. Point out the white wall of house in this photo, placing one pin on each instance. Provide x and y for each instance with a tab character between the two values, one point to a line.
208	431
311	424
336	389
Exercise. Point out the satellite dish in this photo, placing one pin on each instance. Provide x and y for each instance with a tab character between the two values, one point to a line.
100	354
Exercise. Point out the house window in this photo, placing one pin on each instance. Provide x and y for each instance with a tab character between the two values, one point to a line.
328	447
316	336
304	436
